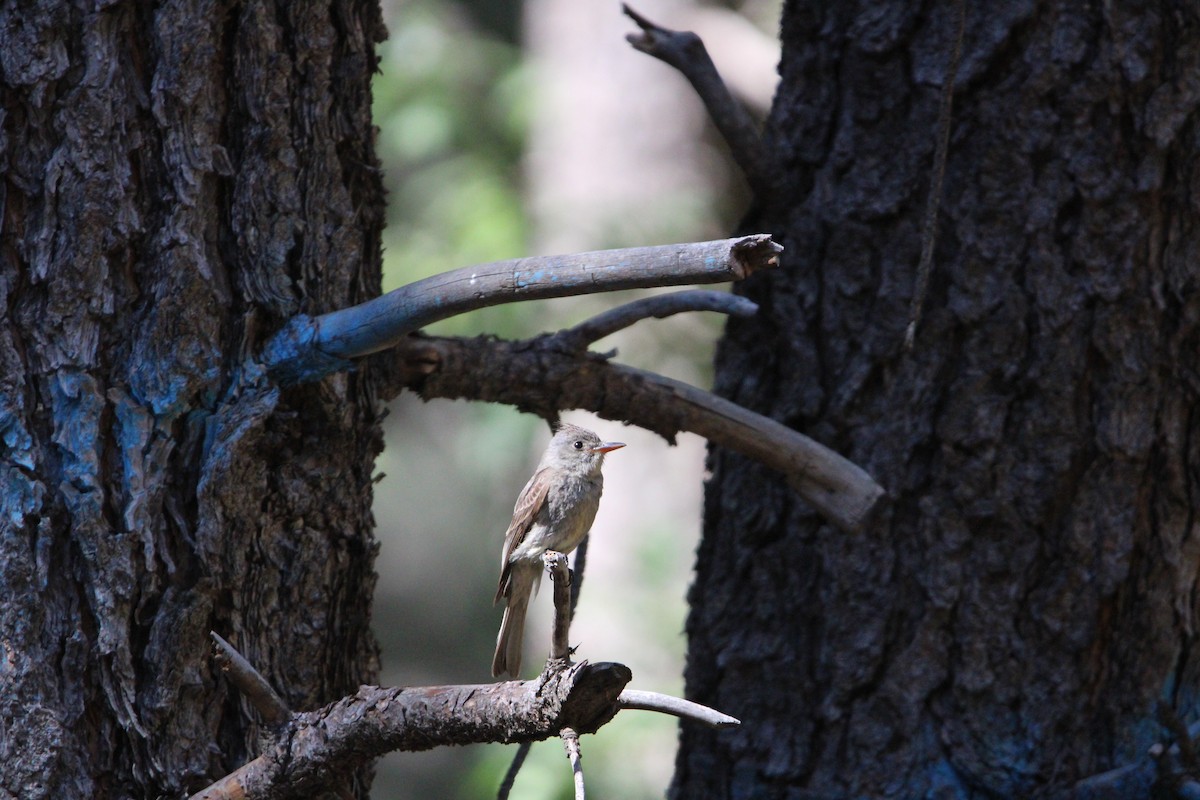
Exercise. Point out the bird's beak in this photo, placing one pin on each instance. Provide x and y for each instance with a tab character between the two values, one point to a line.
605	447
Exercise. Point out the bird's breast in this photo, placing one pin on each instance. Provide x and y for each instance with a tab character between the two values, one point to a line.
569	513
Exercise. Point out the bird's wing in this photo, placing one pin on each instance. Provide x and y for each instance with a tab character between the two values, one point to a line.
529	502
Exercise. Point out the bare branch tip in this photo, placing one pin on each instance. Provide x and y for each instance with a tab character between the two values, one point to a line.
641	21
753	253
250	682
745	308
676	706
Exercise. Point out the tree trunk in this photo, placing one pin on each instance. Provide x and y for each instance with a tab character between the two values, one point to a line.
1013	619
178	180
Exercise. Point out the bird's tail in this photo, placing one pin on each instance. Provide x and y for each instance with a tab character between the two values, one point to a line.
512	629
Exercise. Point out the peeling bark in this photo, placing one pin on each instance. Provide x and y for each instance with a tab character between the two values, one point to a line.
1010	623
177	180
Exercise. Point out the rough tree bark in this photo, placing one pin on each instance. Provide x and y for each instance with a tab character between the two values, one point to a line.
1011	622
178	179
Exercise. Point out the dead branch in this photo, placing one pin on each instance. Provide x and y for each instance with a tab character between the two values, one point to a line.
1161	764
560	639
934	200
311	750
317	747
560	646
658	306
677	707
308	348
685	51
510	776
250	683
542	376
570	738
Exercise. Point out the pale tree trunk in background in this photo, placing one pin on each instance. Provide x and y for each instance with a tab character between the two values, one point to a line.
616	156
176	182
1009	625
589	185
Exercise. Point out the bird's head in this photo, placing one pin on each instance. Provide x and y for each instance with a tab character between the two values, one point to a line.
577	449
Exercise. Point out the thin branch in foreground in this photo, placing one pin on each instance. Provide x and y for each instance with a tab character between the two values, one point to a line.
560	648
510	776
309	348
685	51
676	707
571	744
934	200
658	306
249	682
538	376
577	573
560	638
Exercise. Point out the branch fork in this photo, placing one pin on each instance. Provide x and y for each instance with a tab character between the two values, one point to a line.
309	348
685	51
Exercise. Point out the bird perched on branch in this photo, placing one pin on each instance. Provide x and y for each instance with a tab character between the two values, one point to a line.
553	512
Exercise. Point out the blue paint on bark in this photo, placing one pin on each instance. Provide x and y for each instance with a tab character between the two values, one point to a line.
77	406
20	497
292	355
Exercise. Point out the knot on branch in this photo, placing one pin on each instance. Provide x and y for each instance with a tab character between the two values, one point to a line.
593	700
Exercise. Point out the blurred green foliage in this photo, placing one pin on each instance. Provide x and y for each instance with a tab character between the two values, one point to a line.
451	104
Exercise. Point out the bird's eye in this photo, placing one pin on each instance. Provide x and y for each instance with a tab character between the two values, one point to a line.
578	444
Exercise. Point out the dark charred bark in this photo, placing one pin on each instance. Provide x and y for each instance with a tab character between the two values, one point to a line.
177	180
1008	626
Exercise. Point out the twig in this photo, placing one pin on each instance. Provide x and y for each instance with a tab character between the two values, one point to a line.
309	348
249	682
659	306
577	573
557	646
571	744
1183	737
510	777
677	707
566	594
685	51
536	376
934	199
1136	779
560	639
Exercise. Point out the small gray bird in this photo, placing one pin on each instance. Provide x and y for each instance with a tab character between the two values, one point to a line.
554	512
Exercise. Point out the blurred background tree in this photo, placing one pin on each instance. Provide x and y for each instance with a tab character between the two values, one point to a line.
509	129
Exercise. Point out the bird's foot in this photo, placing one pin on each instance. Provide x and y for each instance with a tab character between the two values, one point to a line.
553	559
